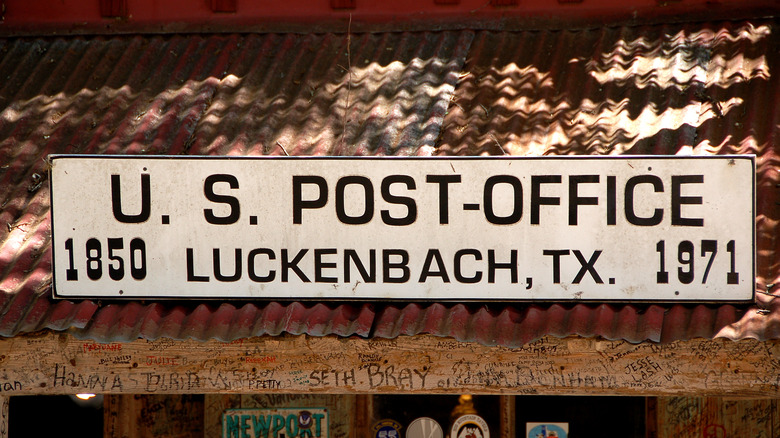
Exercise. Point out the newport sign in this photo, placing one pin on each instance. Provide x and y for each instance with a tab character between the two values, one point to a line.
478	228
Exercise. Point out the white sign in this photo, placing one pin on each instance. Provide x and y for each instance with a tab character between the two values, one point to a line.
480	228
470	426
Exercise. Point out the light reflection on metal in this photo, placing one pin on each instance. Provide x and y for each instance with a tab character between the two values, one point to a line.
86	93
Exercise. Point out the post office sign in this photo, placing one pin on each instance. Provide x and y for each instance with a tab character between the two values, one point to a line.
479	228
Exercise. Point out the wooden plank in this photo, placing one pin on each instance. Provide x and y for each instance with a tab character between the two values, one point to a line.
135	416
716	417
507	418
61	364
651	417
116	421
216	404
4	403
364	415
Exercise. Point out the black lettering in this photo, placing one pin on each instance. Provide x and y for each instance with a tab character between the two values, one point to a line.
537	199
251	265
218	267
375	371
369	276
556	255
493	266
575	200
487	196
631	217
208	191
678	200
146	203
426	269
387	265
422	376
299	203
288	264
59	378
368	189
319	265
191	268
458	272
444	205
611	200
411	206
348	377
587	266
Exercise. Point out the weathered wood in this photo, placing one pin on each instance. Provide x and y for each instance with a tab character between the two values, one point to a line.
136	416
364	415
651	417
714	417
59	363
507	417
4	403
216	404
116	416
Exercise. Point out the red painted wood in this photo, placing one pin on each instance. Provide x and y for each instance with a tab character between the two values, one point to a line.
224	5
46	17
343	4
113	8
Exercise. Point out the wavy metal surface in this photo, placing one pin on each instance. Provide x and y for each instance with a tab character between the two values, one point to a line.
701	89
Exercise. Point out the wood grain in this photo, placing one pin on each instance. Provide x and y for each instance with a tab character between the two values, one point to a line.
62	364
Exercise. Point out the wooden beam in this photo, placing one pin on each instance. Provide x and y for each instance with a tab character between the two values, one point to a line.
51	363
364	415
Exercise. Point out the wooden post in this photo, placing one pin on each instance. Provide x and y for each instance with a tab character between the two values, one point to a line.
116	416
4	402
651	417
365	415
507	421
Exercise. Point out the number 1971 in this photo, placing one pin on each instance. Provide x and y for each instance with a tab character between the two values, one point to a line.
686	256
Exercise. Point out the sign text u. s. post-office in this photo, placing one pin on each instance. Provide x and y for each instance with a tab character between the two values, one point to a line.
563	228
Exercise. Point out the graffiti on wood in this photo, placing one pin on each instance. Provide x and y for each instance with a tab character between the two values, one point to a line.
715	417
300	364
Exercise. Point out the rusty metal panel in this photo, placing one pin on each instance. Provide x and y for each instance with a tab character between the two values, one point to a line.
706	88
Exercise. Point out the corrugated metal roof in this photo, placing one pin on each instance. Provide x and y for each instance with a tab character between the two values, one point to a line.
694	88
